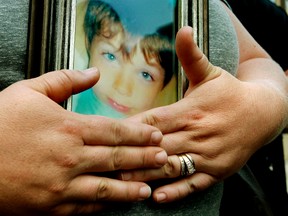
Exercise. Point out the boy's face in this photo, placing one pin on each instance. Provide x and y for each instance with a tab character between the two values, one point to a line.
129	85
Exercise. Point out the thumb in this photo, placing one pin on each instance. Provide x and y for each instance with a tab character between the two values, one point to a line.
196	65
60	85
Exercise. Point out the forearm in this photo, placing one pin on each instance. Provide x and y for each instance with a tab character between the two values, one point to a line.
255	64
263	70
266	83
270	90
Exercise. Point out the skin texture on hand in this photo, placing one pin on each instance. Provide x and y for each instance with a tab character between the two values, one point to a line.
221	121
57	162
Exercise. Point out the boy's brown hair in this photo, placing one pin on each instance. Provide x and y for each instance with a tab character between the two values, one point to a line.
103	21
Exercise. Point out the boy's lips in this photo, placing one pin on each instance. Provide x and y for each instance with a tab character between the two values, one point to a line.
118	107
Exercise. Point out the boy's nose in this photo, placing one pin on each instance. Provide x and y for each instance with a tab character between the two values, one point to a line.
123	84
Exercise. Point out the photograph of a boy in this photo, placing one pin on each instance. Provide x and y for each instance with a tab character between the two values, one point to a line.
134	68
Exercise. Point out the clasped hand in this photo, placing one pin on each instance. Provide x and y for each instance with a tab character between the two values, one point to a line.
220	123
52	159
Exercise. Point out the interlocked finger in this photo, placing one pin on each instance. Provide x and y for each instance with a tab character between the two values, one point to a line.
172	169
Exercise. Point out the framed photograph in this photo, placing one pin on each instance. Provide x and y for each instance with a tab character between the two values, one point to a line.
132	43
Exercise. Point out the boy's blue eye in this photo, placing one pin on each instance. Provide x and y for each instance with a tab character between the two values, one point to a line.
146	76
110	56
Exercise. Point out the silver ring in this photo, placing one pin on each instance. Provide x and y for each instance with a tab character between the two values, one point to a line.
187	165
190	166
183	167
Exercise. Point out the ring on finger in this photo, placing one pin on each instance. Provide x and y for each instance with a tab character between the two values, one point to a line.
183	166
187	165
189	162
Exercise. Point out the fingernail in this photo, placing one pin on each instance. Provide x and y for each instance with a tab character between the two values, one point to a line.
144	192
161	197
161	158
156	137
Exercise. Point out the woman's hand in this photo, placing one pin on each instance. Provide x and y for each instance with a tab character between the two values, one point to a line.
220	123
54	161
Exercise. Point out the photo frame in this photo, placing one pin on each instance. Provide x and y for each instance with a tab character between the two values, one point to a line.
60	44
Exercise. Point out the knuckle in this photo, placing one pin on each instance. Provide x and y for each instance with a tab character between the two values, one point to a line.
64	209
192	186
66	160
65	75
117	158
69	161
151	119
64	78
170	169
118	133
103	190
57	189
71	126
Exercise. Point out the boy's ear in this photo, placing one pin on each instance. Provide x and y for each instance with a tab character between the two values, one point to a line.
87	44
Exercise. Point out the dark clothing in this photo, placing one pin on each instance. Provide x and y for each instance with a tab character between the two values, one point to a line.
268	24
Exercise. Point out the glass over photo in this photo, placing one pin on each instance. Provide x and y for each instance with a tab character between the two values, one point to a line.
132	44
